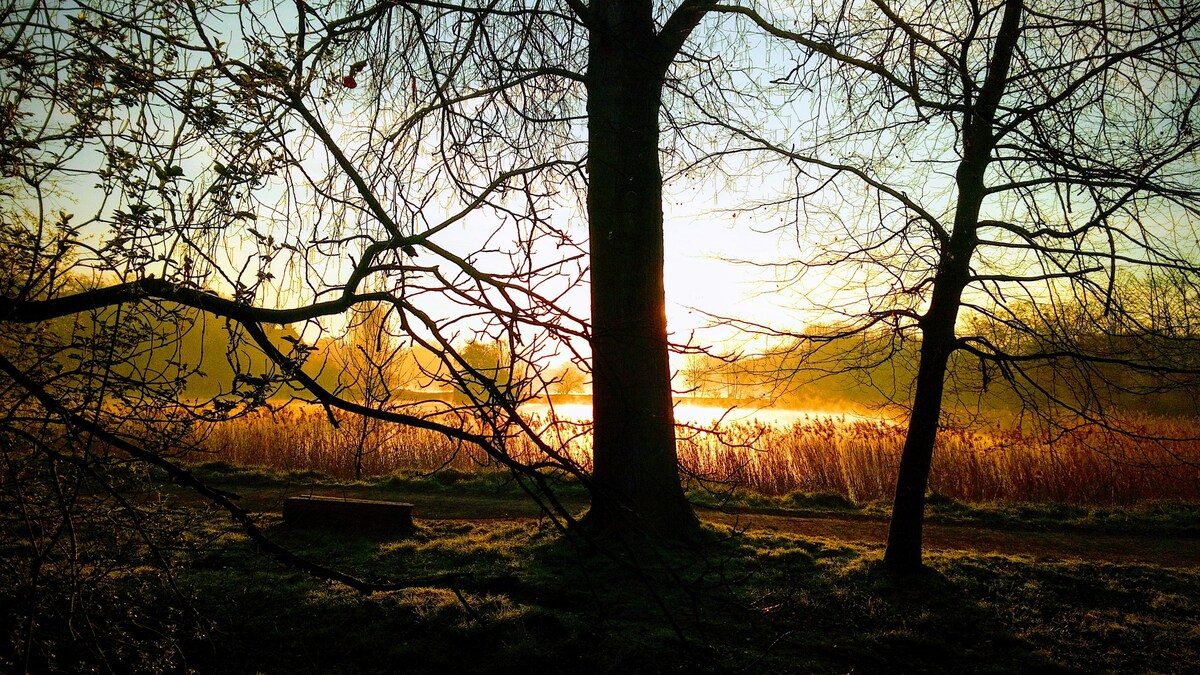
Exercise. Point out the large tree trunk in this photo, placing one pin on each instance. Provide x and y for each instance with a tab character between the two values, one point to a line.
636	476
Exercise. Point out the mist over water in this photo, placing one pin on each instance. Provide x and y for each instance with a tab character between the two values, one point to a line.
704	415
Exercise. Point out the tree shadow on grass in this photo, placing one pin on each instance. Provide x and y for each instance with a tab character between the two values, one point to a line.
273	619
779	604
917	623
542	602
762	605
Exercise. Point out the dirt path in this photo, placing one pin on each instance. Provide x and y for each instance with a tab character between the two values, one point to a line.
1168	551
1153	549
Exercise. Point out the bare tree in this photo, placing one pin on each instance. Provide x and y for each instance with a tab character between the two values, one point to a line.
205	179
375	370
285	164
997	179
281	163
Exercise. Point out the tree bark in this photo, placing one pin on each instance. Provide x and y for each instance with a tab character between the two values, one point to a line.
903	553
635	474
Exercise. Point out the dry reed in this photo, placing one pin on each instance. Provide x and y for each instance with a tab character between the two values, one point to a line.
851	457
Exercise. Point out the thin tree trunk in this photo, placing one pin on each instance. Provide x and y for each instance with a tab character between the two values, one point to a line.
636	476
903	554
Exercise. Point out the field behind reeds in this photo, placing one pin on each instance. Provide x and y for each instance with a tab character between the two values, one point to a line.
854	458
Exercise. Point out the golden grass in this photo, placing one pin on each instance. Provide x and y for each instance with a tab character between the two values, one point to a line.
858	459
851	457
304	439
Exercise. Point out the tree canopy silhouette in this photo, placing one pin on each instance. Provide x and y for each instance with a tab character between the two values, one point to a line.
1015	183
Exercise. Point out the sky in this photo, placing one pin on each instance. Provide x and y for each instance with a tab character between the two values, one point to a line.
707	226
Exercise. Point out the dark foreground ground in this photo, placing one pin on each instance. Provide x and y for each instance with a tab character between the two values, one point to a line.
772	589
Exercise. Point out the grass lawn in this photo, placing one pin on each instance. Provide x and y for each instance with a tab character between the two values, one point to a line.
537	601
747	602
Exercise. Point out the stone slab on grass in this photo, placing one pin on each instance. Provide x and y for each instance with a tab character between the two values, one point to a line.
349	515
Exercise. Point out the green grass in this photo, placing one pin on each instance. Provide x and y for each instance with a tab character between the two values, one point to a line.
446	494
452	487
494	482
752	601
1166	517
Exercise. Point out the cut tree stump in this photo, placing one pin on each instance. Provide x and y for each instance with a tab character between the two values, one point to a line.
356	515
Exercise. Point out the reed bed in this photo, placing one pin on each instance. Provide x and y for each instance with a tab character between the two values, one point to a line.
304	439
854	458
858	459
